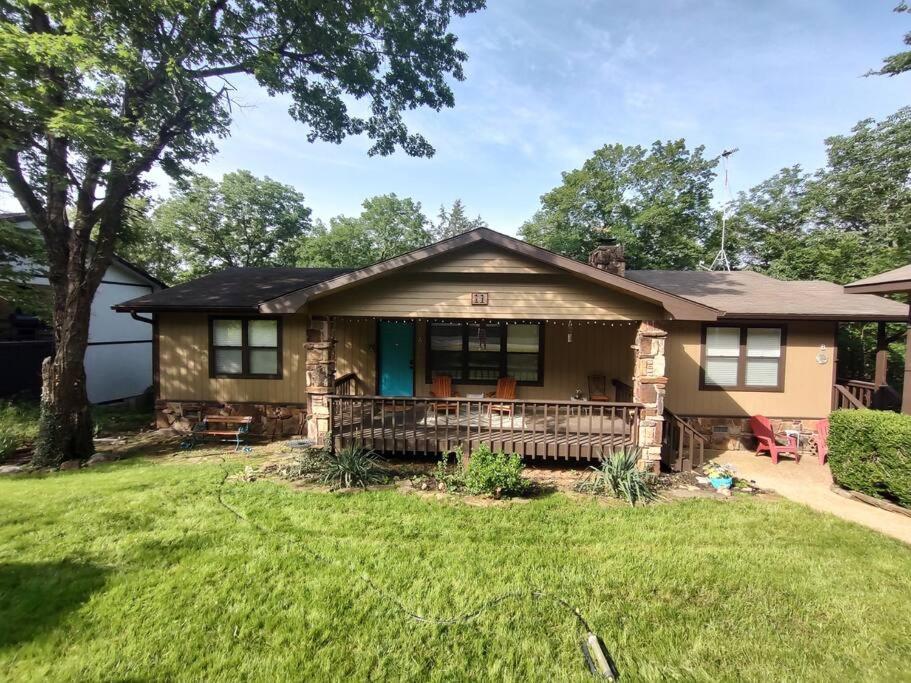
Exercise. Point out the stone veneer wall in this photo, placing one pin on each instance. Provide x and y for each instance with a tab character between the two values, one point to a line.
278	421
734	434
649	387
320	373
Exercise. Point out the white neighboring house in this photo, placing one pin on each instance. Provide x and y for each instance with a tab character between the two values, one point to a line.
118	361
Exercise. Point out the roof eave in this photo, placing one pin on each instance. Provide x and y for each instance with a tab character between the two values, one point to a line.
893	287
145	308
833	317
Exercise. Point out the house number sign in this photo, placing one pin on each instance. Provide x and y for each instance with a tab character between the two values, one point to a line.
479	298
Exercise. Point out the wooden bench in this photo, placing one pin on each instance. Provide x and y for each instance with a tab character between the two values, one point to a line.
223	427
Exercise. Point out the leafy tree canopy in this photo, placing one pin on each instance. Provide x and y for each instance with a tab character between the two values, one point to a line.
208	225
656	201
95	93
849	220
387	226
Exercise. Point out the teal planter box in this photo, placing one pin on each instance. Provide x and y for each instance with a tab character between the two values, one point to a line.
721	482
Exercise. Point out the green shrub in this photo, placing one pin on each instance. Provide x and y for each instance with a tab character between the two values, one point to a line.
619	476
452	478
495	473
351	466
870	452
307	462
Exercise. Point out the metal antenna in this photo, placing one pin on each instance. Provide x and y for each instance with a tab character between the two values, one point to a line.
720	262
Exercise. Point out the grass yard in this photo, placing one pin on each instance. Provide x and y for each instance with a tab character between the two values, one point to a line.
132	571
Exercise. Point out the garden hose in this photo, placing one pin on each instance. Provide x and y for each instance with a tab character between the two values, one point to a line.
597	658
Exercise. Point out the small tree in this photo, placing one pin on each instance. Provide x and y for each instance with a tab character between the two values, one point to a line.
94	93
455	221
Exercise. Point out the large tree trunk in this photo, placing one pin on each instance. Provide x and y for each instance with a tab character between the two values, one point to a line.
65	426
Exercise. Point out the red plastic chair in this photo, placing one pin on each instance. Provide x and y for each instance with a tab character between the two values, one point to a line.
822	440
767	440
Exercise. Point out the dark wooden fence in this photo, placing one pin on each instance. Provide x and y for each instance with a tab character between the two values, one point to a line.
556	430
20	366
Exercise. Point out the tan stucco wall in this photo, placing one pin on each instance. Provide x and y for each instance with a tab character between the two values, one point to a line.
183	342
807	384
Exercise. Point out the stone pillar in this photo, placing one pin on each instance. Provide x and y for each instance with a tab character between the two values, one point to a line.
649	385
320	374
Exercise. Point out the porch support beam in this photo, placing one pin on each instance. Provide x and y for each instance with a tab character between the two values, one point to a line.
906	389
649	387
320	375
882	355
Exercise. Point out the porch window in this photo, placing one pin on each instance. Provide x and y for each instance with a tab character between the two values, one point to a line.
743	358
476	353
245	347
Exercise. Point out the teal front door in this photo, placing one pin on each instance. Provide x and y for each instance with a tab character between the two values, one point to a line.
396	358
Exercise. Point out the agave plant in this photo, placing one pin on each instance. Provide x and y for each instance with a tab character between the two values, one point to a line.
620	476
351	466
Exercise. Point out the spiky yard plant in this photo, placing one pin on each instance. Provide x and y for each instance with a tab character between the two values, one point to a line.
351	466
619	476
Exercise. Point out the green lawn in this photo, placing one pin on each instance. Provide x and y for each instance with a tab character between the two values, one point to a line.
134	572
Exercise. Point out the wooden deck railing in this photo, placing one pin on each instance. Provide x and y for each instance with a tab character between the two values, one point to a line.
347	385
683	446
853	393
561	430
858	393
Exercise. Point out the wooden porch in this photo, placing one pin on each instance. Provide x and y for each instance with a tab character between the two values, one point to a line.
535	429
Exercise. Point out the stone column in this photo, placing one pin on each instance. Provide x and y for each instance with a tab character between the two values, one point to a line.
649	385
320	374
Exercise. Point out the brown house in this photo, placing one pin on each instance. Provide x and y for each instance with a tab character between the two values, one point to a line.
601	356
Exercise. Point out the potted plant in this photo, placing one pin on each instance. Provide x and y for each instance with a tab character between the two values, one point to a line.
720	476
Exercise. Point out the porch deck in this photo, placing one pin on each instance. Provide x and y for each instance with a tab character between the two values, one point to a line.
556	430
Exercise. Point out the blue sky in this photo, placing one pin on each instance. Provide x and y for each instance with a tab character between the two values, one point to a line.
549	81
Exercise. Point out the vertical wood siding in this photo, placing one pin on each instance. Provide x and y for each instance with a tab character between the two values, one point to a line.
184	364
595	349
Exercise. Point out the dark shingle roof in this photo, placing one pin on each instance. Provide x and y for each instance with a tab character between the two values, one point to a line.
749	294
232	288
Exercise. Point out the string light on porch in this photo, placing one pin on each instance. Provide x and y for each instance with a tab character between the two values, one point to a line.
571	323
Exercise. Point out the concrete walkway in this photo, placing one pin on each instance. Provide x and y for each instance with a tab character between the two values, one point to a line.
809	483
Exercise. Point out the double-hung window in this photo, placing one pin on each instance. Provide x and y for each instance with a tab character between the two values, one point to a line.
745	358
481	353
245	347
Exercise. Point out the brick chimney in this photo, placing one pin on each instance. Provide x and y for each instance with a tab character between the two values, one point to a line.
608	256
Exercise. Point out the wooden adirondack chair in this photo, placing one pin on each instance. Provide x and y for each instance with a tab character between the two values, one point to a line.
442	388
821	440
768	441
506	391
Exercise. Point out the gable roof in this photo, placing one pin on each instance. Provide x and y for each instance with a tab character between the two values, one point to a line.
747	294
897	280
685	295
677	306
232	289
